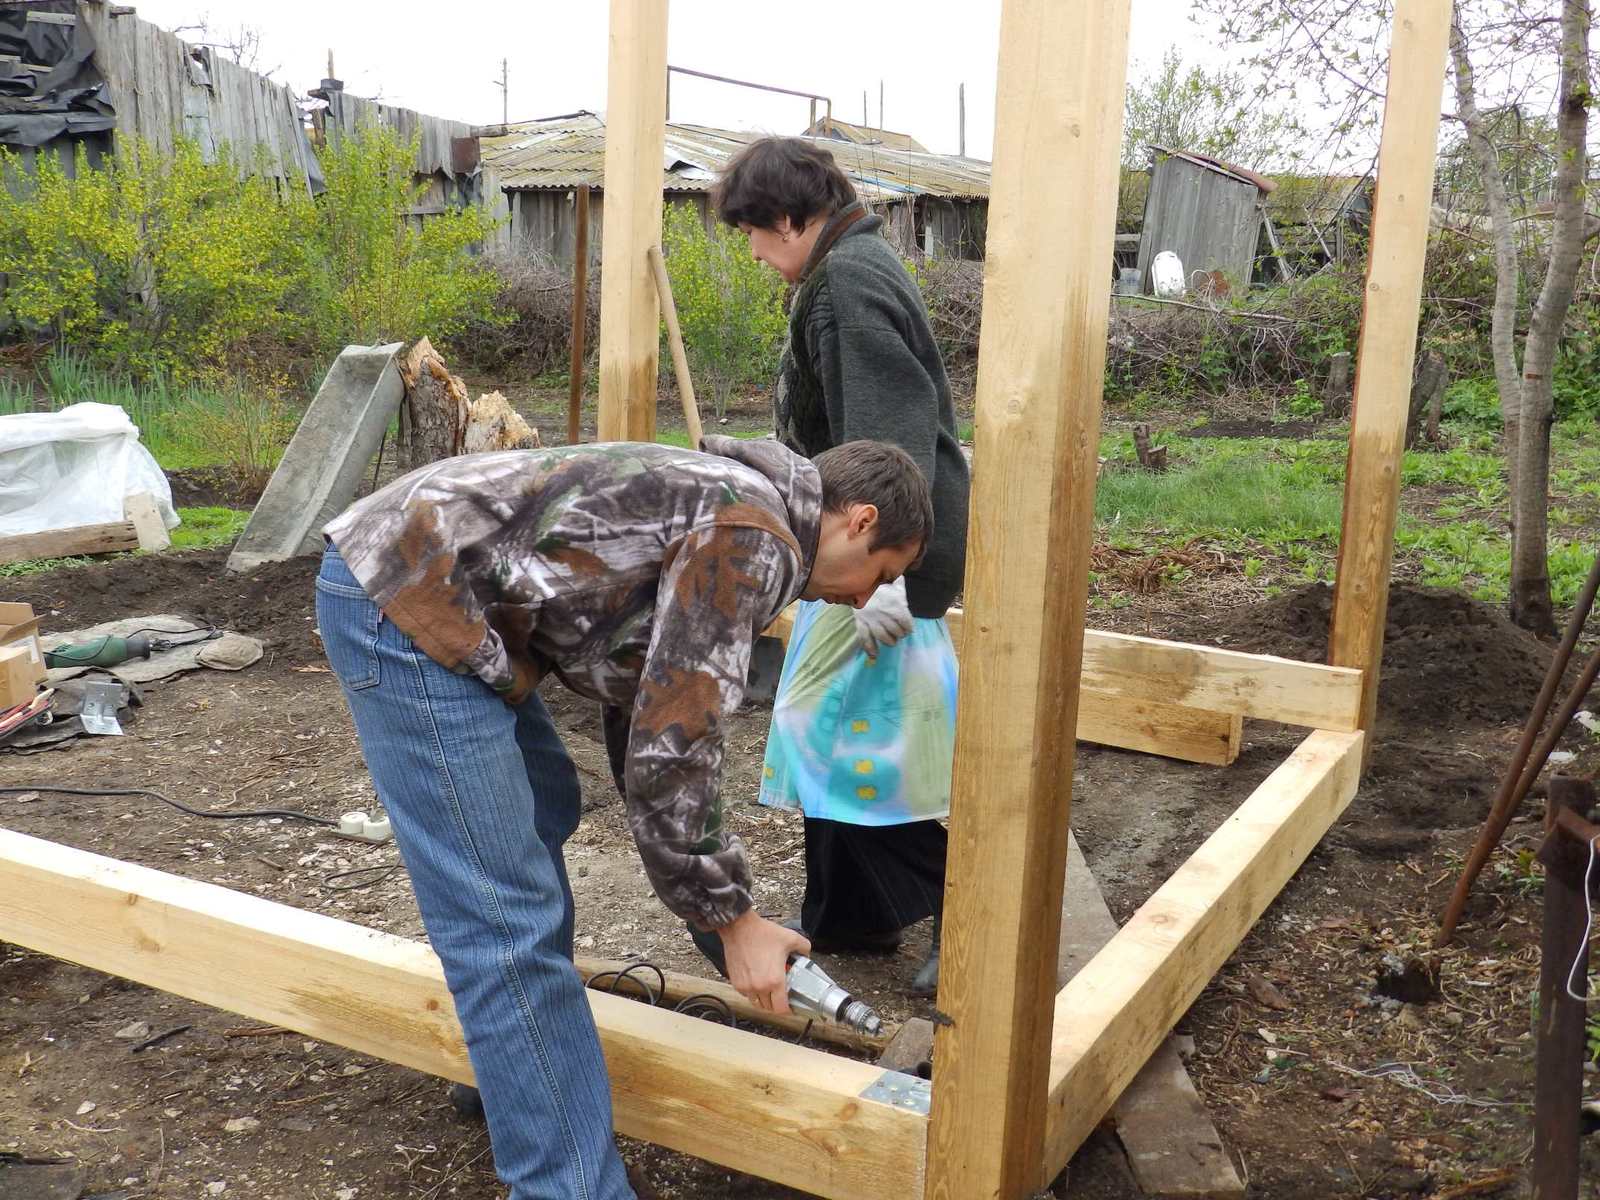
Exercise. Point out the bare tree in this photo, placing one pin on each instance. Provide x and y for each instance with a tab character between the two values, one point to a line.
1520	44
241	43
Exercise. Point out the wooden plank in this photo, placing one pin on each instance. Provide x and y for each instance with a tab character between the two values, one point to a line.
679	987
1058	125
636	133
1199	678
140	510
753	1104
1114	1012
61	543
1401	212
1173	1148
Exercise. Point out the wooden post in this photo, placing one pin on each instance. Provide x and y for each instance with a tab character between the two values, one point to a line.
680	359
961	111
580	315
636	132
1062	71
1401	212
1559	1055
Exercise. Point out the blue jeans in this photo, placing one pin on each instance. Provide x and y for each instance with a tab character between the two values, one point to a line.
482	796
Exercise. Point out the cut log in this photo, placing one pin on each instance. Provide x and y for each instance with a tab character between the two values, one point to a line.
109	538
434	413
492	424
1336	393
1151	458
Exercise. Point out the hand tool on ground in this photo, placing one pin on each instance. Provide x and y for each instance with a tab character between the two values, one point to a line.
811	990
111	650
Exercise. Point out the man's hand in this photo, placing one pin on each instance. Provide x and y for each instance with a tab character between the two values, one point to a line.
884	619
758	953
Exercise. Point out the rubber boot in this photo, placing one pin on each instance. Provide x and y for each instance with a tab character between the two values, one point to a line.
927	981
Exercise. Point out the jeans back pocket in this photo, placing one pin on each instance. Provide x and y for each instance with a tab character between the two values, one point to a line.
349	622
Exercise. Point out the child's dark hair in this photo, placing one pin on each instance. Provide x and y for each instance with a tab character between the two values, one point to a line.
879	474
780	177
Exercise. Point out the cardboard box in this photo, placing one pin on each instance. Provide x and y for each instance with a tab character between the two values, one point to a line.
19	627
17	684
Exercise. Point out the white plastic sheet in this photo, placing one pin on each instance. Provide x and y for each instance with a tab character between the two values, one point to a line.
74	467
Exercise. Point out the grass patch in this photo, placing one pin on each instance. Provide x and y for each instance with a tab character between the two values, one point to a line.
203	528
680	437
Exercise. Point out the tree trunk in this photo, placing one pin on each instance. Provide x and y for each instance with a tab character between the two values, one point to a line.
1507	275
1336	393
1530	567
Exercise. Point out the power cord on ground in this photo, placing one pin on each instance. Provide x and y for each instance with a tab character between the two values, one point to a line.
231	815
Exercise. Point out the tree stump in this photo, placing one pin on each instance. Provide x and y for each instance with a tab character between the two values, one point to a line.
1336	392
434	413
1427	390
1151	458
492	424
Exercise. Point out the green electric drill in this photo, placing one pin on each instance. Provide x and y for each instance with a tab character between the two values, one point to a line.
110	651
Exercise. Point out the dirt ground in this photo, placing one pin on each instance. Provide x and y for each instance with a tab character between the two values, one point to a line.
1295	1044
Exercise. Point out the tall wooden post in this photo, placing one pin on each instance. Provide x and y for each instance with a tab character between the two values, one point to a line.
636	132
1388	346
1058	126
580	315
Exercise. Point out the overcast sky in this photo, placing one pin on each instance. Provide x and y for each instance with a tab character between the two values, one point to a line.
444	58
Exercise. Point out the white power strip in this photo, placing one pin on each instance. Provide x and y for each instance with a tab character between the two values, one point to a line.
362	828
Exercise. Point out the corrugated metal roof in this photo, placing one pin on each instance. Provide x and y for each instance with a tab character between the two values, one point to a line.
567	151
832	127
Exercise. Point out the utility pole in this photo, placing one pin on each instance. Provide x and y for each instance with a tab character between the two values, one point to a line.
504	84
865	119
881	125
961	101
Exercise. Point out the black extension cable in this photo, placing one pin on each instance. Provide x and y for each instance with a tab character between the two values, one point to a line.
287	813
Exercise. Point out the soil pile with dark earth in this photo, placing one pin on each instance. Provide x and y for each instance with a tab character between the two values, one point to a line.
1450	664
1446	657
274	602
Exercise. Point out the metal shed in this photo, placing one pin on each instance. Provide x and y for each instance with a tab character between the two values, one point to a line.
1206	212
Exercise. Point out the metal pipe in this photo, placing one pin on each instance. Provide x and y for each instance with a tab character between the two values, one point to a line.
1512	786
762	87
1569	821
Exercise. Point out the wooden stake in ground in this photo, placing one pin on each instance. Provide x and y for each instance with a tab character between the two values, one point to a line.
636	134
1058	126
1401	213
680	360
580	317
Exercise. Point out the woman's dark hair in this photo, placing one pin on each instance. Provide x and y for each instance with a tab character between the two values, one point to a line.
876	473
780	177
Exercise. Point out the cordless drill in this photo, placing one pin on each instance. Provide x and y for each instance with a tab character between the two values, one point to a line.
811	990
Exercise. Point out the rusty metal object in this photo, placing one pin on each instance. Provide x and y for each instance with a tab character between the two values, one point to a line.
1521	771
1558	1085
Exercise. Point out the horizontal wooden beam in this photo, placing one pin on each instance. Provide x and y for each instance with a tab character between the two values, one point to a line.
754	1104
1111	1016
1206	678
109	538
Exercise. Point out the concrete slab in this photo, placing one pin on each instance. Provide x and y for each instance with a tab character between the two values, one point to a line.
1173	1148
326	458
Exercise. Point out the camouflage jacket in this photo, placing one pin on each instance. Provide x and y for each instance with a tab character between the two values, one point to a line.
640	575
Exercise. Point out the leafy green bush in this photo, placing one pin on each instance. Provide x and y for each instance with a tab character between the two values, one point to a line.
730	307
167	265
157	263
377	276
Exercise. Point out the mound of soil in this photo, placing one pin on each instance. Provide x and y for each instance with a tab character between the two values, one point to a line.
1447	659
274	602
210	487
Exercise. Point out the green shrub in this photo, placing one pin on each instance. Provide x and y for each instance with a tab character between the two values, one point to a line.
156	263
730	307
377	276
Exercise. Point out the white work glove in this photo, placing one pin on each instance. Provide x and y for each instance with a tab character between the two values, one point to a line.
884	619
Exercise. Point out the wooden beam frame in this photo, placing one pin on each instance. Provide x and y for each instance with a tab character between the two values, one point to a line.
1020	1082
750	1103
1401	214
1111	1016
